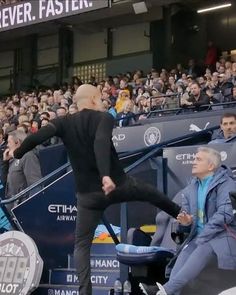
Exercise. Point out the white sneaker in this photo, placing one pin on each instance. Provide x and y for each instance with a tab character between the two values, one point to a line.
162	290
231	291
152	290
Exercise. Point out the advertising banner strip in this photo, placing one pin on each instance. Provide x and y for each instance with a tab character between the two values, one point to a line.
67	290
98	278
101	262
27	13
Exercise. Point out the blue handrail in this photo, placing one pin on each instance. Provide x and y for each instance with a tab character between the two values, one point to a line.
35	184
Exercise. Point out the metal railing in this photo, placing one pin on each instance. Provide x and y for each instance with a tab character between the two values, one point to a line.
37	184
179	110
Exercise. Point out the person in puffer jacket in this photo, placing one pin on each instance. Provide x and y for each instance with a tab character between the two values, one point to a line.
207	214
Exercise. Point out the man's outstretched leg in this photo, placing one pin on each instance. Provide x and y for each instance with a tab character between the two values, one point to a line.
86	223
136	190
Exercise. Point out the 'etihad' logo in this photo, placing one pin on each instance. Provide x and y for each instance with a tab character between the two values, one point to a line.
63	212
118	137
186	158
62	209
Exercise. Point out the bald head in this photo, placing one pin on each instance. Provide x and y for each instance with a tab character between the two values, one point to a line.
89	97
86	91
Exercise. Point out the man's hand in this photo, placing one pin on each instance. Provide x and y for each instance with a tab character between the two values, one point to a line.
185	219
7	155
107	185
11	153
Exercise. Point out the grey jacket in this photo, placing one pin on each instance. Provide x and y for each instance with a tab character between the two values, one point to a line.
220	225
22	173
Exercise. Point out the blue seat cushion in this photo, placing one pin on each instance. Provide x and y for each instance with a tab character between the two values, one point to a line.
134	255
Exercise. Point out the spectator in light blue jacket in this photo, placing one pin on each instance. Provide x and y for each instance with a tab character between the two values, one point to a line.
207	215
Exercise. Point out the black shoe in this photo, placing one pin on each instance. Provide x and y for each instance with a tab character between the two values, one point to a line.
148	289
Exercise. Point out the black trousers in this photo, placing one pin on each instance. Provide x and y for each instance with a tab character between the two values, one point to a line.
90	211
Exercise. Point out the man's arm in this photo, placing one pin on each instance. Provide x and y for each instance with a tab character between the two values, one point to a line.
102	150
34	139
31	168
102	144
184	218
204	99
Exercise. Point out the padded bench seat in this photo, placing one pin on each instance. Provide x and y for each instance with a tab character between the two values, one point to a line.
137	255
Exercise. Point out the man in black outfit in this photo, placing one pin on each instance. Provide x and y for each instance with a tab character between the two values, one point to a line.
100	179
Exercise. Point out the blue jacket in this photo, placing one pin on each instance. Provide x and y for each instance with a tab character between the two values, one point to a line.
220	224
221	139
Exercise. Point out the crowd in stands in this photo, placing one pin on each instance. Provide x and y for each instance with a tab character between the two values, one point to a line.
6	2
128	97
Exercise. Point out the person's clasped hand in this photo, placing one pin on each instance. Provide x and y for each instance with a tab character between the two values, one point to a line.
107	185
185	218
7	155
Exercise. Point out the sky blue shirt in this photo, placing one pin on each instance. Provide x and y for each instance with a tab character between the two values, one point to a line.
112	111
203	185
